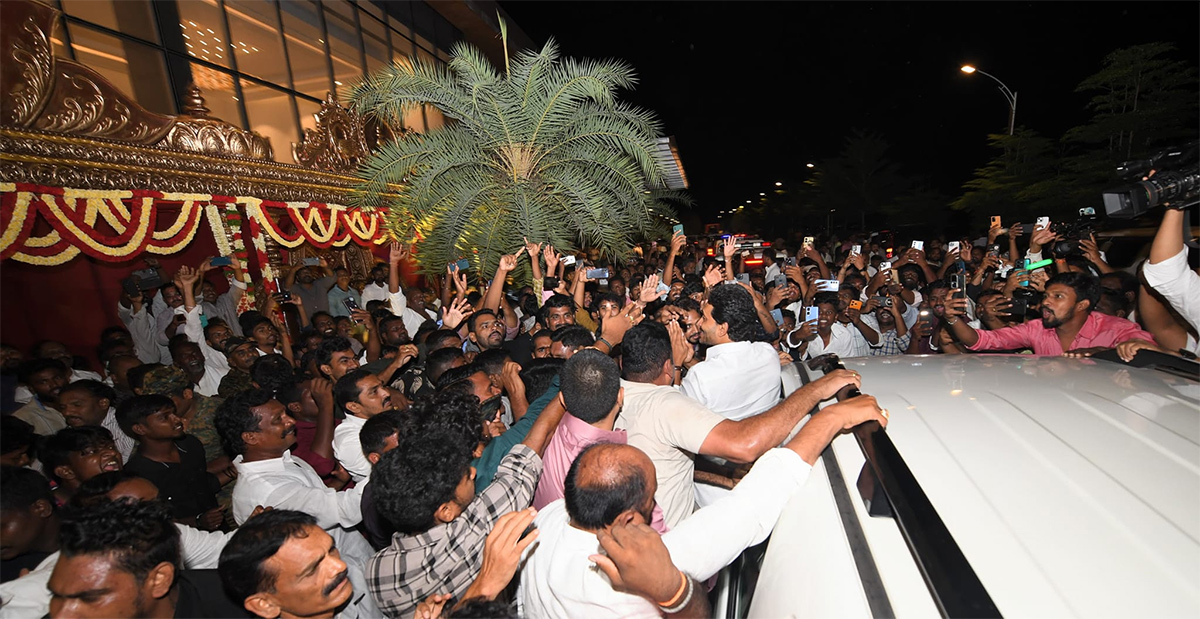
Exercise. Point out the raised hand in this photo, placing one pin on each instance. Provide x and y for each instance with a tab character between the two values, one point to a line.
1091	250
678	240
187	276
681	349
406	353
713	275
775	296
206	266
397	252
728	249
363	317
322	392
649	291
955	306
551	259
454	314
533	249
508	262
1041	238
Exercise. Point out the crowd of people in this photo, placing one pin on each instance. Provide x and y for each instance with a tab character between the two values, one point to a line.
476	447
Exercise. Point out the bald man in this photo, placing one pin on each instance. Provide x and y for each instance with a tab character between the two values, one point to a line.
607	479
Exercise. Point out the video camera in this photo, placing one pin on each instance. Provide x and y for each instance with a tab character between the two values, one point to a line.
1176	181
1070	233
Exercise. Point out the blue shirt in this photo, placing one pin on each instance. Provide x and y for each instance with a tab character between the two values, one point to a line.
494	452
336	306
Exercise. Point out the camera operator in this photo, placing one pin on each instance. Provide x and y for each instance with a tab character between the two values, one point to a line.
1168	274
1068	325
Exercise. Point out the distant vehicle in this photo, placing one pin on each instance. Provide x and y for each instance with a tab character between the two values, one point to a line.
1004	485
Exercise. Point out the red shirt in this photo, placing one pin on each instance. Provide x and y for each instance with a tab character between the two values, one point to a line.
305	433
1099	331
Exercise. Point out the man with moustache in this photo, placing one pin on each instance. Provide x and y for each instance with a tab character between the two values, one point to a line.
281	564
257	428
45	379
241	356
362	396
124	559
1068	324
92	403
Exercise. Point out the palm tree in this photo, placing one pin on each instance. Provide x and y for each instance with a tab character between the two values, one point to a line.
543	151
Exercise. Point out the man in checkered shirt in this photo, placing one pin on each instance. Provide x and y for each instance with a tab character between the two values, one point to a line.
426	488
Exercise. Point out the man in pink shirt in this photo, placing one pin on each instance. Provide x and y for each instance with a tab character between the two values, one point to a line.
592	395
1068	323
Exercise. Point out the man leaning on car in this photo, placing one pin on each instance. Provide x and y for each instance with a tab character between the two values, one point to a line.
1068	325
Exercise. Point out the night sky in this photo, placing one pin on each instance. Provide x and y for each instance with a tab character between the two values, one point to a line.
752	91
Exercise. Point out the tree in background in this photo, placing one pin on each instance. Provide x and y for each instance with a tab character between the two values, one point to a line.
1144	101
543	151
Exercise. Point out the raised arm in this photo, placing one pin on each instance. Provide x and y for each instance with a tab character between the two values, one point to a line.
507	264
678	240
534	250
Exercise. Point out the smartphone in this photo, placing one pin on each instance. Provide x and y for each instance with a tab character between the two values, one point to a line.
1042	223
883	301
885	266
311	262
810	314
952	246
463	265
744	278
994	250
180	318
958	282
781	281
662	289
996	221
351	304
777	314
855	304
568	260
828	285
790	262
808	242
549	283
918	245
222	261
926	317
677	229
282	296
855	250
597	273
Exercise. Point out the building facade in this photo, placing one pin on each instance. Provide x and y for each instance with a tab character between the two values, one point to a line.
265	65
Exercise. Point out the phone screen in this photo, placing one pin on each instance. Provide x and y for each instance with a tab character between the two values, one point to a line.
221	261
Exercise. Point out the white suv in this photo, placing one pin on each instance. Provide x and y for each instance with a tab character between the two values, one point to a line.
1003	485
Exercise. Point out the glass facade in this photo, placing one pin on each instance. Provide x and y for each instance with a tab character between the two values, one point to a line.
264	65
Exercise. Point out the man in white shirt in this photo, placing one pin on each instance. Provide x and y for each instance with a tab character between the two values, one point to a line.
1168	273
739	377
829	335
671	427
362	395
407	304
377	288
54	350
259	431
558	579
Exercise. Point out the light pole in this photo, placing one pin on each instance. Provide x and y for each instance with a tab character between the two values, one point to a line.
1009	95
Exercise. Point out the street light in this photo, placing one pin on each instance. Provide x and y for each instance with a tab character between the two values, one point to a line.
1009	95
779	183
809	165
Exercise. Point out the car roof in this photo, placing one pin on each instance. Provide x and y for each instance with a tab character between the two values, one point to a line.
1077	478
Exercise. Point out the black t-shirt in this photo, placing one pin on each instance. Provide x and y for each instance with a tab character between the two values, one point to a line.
186	486
520	349
201	596
377	529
